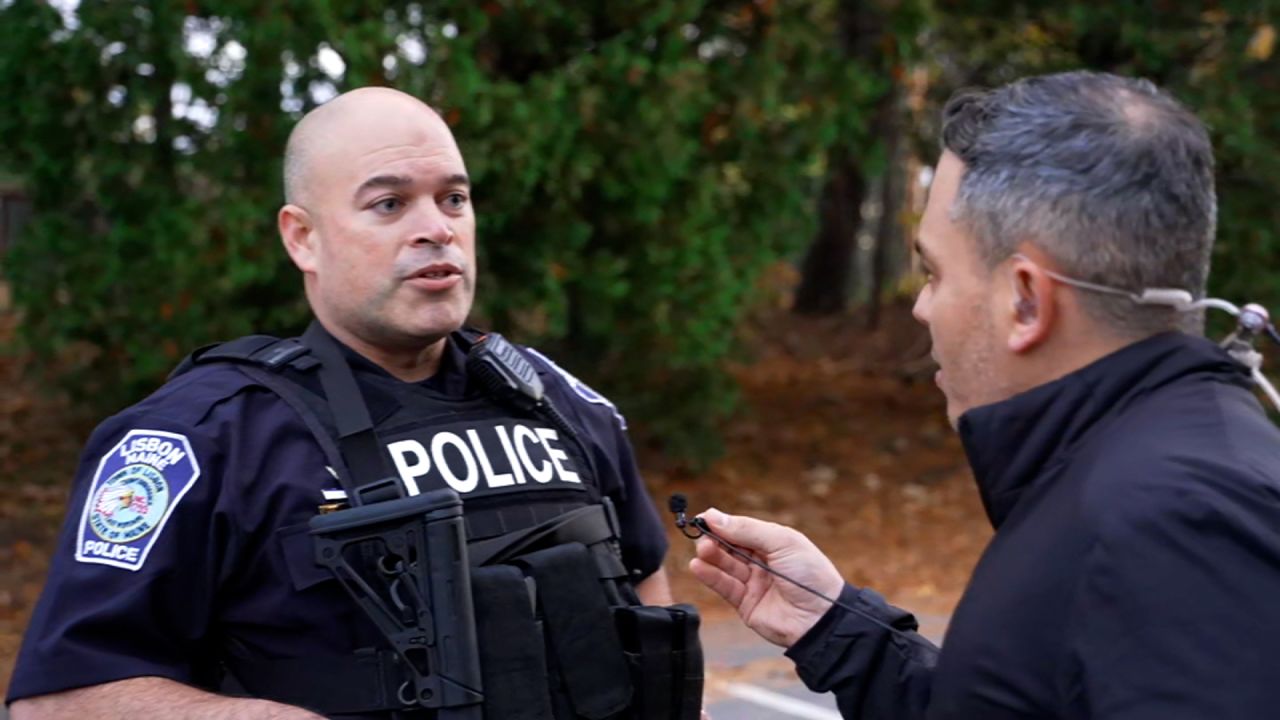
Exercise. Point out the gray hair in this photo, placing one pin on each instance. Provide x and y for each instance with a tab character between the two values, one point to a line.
1109	176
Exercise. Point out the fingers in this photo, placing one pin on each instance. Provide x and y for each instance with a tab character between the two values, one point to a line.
724	584
765	538
712	553
776	545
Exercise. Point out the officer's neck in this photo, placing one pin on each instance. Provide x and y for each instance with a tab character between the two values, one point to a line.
407	363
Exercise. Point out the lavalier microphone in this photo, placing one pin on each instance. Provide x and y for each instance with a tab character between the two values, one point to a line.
678	504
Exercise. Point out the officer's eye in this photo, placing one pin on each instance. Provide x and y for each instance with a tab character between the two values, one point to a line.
455	200
387	205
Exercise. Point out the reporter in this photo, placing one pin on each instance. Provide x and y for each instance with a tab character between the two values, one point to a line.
1132	478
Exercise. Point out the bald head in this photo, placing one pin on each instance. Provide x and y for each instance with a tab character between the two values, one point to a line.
323	132
379	221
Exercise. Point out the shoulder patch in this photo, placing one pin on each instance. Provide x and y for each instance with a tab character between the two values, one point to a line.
583	390
138	484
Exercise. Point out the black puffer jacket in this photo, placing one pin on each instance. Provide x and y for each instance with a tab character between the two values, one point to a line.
1135	569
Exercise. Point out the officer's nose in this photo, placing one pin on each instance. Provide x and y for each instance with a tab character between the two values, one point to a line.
437	233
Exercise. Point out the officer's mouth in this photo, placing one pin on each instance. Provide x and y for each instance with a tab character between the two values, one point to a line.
436	277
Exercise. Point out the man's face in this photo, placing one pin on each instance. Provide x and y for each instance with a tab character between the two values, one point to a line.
394	230
958	304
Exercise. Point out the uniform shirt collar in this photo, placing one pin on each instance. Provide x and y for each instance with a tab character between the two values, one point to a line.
450	380
1011	444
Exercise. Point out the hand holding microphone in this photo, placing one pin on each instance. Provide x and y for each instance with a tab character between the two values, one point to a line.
776	578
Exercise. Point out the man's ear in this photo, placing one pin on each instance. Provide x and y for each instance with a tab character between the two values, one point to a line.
1034	308
297	232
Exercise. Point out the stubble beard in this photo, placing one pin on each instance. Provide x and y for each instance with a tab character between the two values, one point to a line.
420	323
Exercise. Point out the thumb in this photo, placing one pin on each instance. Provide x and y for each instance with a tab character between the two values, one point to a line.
762	537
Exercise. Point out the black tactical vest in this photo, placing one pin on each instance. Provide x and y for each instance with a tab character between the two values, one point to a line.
559	632
512	470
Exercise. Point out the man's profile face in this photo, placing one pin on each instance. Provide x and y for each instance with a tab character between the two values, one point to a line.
958	302
391	205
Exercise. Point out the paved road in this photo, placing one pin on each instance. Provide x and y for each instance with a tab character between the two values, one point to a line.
749	679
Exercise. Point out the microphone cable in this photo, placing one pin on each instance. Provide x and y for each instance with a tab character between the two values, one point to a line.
678	504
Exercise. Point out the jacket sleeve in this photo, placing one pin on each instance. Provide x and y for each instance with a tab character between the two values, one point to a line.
874	661
1178	614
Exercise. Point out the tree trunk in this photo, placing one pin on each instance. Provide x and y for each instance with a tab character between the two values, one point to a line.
890	208
827	273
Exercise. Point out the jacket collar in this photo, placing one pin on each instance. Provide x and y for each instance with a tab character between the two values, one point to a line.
1010	444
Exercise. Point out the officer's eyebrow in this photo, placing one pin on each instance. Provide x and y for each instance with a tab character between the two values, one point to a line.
384	181
399	181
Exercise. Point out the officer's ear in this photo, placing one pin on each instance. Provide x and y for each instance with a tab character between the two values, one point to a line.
1032	305
297	232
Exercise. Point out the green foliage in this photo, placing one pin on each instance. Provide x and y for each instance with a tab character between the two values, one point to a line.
1218	58
636	165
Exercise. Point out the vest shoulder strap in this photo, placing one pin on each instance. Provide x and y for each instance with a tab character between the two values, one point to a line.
265	351
263	358
294	396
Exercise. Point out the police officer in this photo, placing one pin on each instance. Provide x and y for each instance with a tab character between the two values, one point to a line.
185	549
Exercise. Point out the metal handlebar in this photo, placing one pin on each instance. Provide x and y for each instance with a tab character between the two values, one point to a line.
1252	321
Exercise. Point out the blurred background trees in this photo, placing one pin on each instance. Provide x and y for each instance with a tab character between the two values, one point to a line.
640	168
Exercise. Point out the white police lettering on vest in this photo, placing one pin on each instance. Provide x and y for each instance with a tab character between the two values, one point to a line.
487	456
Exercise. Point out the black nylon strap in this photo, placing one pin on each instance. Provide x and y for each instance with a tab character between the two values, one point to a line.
270	352
588	525
687	663
255	350
513	661
665	655
356	438
581	631
647	632
290	392
366	682
240	350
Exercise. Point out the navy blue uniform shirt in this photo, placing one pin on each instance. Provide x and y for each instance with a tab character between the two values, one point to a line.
187	529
